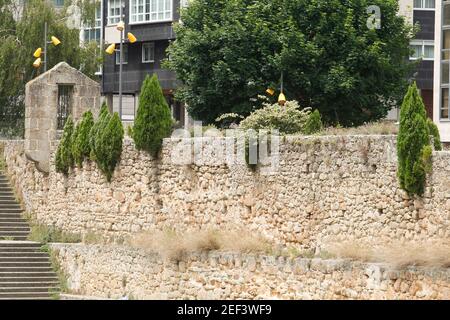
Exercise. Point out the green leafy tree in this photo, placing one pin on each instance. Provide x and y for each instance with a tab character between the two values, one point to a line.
228	52
314	123
109	145
413	143
64	157
19	38
81	147
434	131
153	120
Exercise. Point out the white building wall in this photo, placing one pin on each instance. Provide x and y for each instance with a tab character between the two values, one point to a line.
443	125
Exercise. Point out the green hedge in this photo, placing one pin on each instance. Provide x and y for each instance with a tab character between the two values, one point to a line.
434	131
314	123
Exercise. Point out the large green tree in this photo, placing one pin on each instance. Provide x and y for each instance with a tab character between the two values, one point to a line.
229	51
19	38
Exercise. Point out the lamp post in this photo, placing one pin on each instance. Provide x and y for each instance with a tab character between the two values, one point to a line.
281	97
112	48
37	54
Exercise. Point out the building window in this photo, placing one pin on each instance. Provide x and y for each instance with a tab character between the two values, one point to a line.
114	11
150	10
422	49
93	33
64	109
424	4
148	52
59	3
125	55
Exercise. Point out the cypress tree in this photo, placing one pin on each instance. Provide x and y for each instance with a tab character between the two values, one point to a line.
64	158
103	119
314	123
413	143
153	119
434	131
81	146
109	145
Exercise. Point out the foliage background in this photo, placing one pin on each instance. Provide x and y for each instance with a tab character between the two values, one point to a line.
18	41
229	51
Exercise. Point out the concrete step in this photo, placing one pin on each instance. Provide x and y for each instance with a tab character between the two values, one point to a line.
24	265
12	205
51	278
23	268
10	209
13	227
13	220
27	289
25	259
26	274
30	284
20	250
18	254
19	244
26	295
14	233
23	237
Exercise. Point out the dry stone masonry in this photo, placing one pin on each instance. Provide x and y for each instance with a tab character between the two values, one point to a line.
117	272
326	189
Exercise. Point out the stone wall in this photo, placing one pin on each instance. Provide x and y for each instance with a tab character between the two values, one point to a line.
327	189
116	272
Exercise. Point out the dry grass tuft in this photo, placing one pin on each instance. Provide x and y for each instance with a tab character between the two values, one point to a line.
172	245
429	254
375	128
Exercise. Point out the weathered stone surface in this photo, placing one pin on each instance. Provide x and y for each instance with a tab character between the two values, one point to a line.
292	207
41	105
100	271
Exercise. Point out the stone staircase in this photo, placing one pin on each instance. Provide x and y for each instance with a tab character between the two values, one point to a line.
25	270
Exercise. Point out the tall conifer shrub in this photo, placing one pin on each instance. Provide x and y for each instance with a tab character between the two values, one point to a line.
413	143
81	147
64	158
153	119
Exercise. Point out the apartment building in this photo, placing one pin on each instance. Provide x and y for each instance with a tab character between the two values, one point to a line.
151	22
422	13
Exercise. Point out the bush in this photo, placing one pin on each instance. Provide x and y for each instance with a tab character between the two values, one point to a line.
153	119
314	123
108	145
81	147
412	142
64	158
434	131
288	119
102	121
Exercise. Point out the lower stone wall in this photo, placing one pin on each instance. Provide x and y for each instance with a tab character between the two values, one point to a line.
116	272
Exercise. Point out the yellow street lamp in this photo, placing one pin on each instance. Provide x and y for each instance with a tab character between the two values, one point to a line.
37	63
281	97
112	48
37	53
131	37
55	41
270	91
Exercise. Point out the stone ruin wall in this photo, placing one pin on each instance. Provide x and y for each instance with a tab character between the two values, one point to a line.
117	272
336	188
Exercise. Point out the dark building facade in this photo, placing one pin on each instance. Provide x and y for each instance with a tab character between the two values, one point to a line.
151	22
423	45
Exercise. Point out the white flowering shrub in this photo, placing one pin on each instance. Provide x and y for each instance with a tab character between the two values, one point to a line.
288	119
